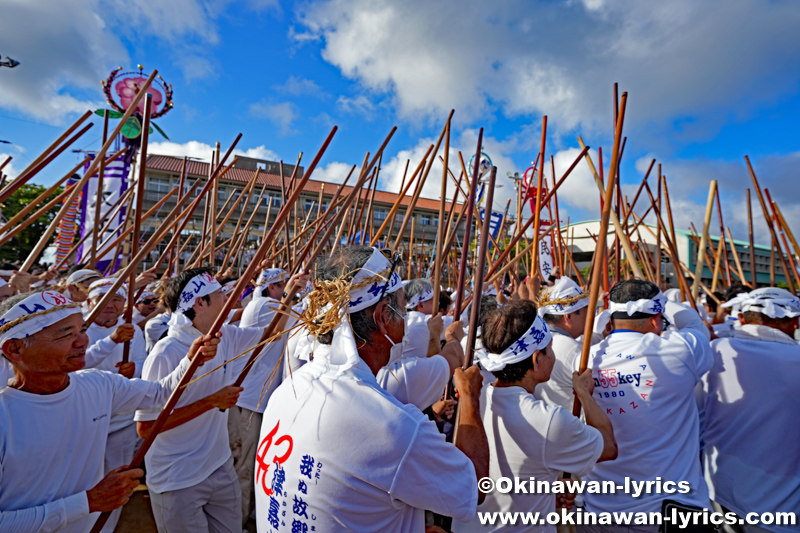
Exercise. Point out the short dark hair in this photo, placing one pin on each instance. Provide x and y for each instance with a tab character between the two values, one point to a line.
734	291
630	290
488	304
712	304
174	288
444	301
503	327
347	262
754	317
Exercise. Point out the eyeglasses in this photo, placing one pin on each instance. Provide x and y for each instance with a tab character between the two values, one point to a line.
149	301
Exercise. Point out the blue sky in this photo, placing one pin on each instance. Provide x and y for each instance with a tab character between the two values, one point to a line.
708	82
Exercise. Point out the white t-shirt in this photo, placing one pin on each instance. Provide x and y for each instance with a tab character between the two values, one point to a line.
558	389
416	381
99	336
419	336
186	455
6	371
267	372
353	458
530	439
751	438
155	328
46	466
645	384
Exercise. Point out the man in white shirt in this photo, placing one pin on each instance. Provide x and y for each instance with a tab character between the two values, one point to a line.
564	308
528	438
421	341
339	453
190	474
108	334
751	446
54	420
644	380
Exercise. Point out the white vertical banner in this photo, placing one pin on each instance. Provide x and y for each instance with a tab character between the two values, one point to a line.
545	259
115	183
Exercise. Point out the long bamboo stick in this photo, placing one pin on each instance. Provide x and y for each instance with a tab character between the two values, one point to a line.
698	273
771	227
598	271
437	265
28	172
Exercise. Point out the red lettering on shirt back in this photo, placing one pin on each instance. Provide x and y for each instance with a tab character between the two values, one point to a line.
262	466
649	382
634	405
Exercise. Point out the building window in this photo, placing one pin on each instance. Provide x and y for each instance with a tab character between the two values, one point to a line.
221	193
425	220
159	184
380	214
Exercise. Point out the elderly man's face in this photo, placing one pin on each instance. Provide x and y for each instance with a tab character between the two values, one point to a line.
148	305
57	349
426	308
111	312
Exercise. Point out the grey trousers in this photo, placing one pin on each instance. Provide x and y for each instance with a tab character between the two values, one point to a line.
244	428
212	506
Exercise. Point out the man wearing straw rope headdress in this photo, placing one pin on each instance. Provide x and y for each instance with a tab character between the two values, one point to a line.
190	474
563	307
645	376
529	438
54	420
751	455
339	453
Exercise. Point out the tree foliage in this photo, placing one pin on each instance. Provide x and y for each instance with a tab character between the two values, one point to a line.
21	245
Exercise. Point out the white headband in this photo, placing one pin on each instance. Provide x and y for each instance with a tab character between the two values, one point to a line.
536	338
101	286
418	298
199	286
228	287
146	294
773	302
650	307
563	288
271	275
735	303
673	295
368	296
44	309
81	275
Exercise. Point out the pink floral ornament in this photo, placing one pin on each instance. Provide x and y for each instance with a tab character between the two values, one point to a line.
127	90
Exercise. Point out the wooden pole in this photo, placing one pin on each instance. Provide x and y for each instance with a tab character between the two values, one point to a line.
598	271
698	272
36	165
623	239
137	220
738	262
771	227
538	209
100	195
470	202
437	265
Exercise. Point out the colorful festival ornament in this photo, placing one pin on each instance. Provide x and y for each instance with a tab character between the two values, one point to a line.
126	86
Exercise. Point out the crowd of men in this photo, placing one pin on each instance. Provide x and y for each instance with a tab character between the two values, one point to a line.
360	417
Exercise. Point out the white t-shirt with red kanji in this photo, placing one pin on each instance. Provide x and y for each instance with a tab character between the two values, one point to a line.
339	453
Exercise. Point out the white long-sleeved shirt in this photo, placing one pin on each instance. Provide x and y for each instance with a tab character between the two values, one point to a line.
46	467
645	383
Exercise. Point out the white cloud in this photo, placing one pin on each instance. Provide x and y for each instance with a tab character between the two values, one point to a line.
67	46
360	105
9	170
299	86
677	58
202	151
282	114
